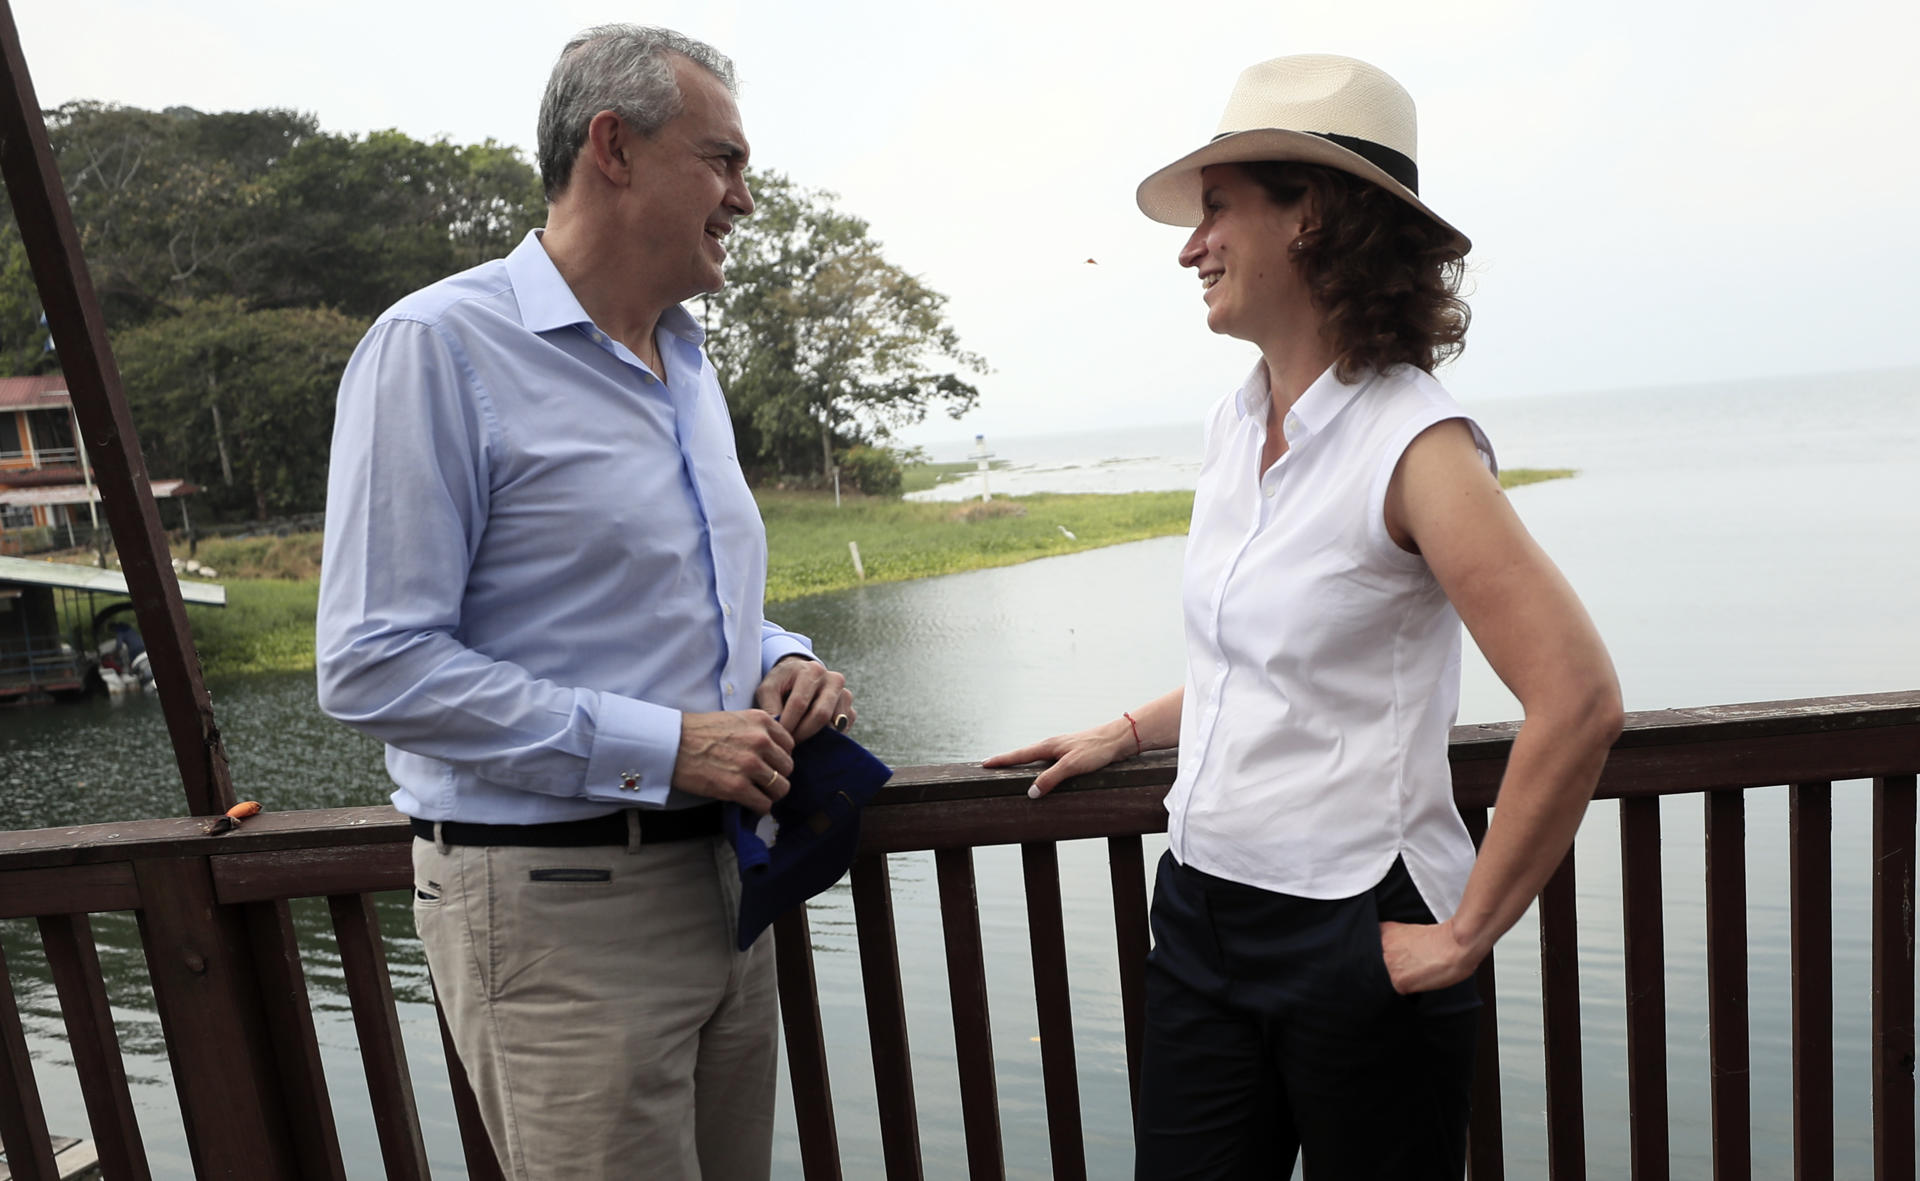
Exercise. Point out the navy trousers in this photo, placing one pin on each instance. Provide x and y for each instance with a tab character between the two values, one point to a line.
1273	1032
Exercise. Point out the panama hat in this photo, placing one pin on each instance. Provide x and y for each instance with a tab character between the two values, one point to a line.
808	841
1313	108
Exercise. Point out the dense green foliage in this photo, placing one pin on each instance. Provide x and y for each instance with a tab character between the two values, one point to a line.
264	207
238	258
239	401
821	342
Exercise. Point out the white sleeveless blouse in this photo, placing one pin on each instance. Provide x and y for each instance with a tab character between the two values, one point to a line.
1323	661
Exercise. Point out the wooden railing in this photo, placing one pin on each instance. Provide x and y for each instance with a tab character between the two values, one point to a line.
231	993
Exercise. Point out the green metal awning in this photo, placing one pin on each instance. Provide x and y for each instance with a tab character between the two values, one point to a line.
92	578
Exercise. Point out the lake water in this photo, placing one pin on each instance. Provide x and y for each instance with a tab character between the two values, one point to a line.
1742	542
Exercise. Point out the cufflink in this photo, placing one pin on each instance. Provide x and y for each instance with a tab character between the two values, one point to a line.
629	781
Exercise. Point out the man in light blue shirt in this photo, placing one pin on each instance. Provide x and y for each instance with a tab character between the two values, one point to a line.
542	588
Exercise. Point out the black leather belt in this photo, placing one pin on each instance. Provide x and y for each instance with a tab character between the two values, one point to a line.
655	827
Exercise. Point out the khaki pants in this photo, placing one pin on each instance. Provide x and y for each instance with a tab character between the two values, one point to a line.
608	1026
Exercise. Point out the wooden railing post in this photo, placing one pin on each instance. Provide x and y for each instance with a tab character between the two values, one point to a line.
1893	897
1560	1021
1728	1056
1810	917
972	1027
23	1123
886	1017
1644	939
217	1037
75	963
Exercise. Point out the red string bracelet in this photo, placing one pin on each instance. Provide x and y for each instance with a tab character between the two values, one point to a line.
1137	747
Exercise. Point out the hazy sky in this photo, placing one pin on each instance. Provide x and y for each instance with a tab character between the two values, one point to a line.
1658	192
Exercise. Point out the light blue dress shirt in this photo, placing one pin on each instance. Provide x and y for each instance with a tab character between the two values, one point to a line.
538	553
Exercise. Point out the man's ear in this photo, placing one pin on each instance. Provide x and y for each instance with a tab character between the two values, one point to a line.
609	144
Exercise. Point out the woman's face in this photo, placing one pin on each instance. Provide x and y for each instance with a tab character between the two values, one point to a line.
1240	252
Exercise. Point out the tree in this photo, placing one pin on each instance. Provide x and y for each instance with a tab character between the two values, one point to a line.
361	222
239	402
820	341
262	206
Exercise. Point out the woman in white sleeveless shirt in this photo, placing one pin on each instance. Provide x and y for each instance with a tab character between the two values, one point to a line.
1320	911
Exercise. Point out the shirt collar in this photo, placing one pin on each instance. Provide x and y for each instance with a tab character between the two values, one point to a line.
546	302
1318	406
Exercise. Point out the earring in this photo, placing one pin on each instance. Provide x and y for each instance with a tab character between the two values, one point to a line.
1297	245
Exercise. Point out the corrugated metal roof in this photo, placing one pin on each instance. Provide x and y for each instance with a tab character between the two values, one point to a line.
92	578
27	393
77	493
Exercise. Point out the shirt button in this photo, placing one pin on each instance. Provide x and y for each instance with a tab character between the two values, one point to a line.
729	688
727	610
1272	492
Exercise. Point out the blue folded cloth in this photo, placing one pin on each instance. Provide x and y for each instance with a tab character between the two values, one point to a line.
808	841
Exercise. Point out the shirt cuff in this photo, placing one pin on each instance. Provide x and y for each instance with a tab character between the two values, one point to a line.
776	648
635	745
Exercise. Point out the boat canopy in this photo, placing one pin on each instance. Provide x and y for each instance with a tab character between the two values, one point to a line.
91	578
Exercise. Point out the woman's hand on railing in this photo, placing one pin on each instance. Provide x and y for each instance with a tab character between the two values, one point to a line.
1070	754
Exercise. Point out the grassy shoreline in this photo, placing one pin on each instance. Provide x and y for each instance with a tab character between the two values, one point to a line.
273	584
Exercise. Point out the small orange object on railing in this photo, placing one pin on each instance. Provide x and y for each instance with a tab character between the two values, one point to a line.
234	816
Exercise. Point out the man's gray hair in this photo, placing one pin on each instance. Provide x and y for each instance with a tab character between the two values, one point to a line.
626	69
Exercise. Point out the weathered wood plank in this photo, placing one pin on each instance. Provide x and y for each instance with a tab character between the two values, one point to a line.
1893	960
296	1046
972	1027
207	997
1560	1021
23	1122
83	889
1126	868
75	965
1046	931
886	1017
1728	1056
1810	918
363	960
1485	1148
1012	820
806	1047
1644	931
312	873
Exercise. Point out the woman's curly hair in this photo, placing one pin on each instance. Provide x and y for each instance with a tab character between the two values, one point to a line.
1386	276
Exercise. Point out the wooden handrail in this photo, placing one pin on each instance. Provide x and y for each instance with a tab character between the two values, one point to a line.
204	901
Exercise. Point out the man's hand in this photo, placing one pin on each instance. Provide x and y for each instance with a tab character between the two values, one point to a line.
1424	956
739	755
805	695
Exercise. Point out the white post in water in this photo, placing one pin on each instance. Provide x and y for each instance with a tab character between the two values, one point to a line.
983	455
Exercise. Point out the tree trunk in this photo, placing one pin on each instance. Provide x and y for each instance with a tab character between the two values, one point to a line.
219	435
826	449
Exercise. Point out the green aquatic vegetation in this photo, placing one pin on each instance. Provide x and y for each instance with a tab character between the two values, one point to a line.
807	538
266	626
1515	477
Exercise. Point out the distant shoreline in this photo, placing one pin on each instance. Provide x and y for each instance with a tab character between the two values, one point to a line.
273	586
